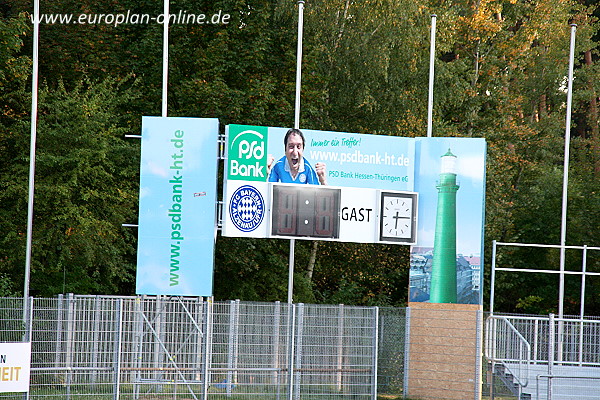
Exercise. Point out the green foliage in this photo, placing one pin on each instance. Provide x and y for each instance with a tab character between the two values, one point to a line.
500	74
250	269
85	189
7	288
368	275
529	304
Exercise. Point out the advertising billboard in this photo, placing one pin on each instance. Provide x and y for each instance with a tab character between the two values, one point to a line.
177	207
351	159
425	192
446	262
319	185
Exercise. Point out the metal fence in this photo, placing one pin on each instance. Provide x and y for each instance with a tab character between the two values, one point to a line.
562	360
88	347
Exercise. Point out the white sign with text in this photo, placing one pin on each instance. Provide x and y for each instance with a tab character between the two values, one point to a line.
15	366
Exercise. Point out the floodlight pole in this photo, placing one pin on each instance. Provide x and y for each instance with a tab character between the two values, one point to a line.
563	225
431	75
299	64
34	113
297	126
165	75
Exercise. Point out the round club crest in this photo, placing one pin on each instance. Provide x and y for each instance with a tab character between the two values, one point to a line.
247	208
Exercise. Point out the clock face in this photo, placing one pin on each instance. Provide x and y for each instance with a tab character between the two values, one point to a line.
397	217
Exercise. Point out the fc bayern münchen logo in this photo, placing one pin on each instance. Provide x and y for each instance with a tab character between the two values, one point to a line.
247	208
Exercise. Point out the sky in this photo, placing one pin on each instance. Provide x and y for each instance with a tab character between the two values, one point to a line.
470	163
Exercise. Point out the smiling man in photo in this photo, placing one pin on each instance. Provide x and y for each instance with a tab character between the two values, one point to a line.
293	167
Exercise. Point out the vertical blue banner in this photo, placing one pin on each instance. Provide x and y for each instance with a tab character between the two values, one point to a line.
177	207
446	264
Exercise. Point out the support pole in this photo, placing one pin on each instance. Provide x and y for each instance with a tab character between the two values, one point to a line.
563	225
493	277
431	74
165	77
583	273
299	64
34	113
297	126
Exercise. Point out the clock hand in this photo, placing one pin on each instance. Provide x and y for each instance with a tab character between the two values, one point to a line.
396	217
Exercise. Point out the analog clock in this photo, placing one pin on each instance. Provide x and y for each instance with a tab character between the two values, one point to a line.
397	217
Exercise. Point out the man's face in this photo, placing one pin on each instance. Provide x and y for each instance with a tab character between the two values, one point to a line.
293	151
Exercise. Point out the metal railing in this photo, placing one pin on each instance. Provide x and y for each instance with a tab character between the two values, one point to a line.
576	341
576	389
507	346
564	353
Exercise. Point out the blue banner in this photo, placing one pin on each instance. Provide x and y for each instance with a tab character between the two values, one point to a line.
447	261
177	207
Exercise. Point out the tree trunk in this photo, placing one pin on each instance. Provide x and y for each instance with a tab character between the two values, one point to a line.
312	260
593	120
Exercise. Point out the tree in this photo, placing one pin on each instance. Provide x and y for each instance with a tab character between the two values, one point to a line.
85	190
13	75
500	70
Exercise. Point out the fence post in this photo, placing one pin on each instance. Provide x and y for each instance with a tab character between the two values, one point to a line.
232	351
493	351
118	346
551	344
69	350
406	352
139	330
158	338
29	330
536	331
95	340
582	309
276	333
59	331
291	345
340	346
200	334
30	320
375	352
298	351
208	347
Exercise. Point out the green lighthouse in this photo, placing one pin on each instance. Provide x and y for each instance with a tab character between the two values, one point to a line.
443	269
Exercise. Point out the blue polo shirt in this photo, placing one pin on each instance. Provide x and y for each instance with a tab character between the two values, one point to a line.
280	172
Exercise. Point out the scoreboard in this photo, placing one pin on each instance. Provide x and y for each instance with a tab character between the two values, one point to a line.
279	210
310	211
369	196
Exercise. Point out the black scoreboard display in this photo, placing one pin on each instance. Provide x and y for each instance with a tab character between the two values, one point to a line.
305	211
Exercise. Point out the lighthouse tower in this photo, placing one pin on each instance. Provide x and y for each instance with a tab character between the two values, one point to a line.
443	269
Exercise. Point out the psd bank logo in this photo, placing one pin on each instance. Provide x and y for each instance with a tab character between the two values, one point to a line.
247	159
246	208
